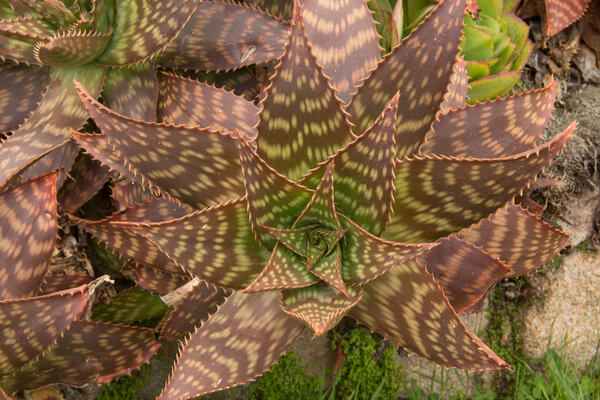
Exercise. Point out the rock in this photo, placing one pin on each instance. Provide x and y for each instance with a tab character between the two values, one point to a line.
570	310
579	217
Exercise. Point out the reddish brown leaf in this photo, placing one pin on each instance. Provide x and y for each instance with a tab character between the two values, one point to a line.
421	89
28	27
263	185
196	165
320	307
407	306
284	270
251	333
132	91
366	256
155	280
320	210
225	35
129	194
28	326
201	302
436	196
57	282
153	210
208	243
511	233
500	128
562	13
329	269
71	48
88	177
48	126
141	32
21	89
456	95
281	8
28	226
344	41
185	101
297	132
61	158
88	352
464	271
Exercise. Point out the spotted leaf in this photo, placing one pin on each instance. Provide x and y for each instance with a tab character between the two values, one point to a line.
281	8
511	233
195	308
284	270
456	95
185	101
21	89
48	126
140	32
251	333
208	243
408	306
320	210
87	177
273	199
225	35
329	269
352	51
130	305
28	226
560	14
56	282
61	158
420	91
196	165
297	131
464	271
27	27
320	307
128	194
499	128
71	48
366	256
28	326
154	279
436	196
132	91
294	238
88	352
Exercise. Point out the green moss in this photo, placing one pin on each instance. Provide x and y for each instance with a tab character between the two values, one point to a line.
586	247
125	387
286	380
365	372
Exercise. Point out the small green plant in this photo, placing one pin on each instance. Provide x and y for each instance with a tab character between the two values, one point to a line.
125	387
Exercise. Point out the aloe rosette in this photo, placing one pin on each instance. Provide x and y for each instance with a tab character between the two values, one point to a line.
359	187
113	48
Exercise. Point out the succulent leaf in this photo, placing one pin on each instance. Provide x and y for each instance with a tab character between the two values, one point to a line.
320	307
26	28
273	200
139	34
201	170
560	14
137	99
281	8
253	319
154	279
423	320
21	89
225	35
59	109
284	270
328	268
511	233
88	352
320	210
58	282
61	158
71	49
493	86
207	243
294	238
87	177
436	196
352	52
464	271
129	194
458	89
366	256
401	71
28	225
297	132
185	101
500	128
28	326
201	302
129	306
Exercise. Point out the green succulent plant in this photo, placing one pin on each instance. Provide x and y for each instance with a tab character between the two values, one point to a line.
495	44
358	186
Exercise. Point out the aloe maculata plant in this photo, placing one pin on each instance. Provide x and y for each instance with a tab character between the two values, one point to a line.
561	14
45	330
495	43
358	186
112	48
